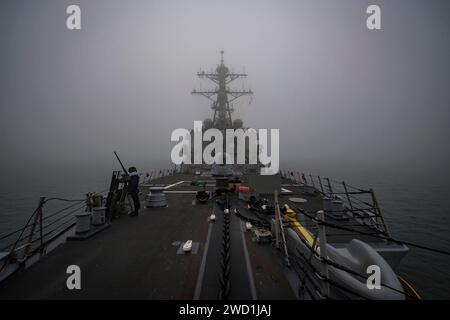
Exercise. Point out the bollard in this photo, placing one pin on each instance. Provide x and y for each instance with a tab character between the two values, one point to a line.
156	198
98	216
83	223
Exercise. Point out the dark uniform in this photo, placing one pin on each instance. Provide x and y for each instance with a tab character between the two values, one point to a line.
133	190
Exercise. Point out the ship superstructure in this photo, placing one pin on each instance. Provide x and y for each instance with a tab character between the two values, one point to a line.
222	96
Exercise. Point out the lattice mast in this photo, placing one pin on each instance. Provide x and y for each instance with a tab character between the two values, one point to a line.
222	96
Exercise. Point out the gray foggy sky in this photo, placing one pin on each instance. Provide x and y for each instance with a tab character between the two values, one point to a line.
338	92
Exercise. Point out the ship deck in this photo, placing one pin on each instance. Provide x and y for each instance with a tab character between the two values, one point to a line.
141	257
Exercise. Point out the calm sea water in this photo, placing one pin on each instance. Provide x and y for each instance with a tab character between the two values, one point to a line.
416	208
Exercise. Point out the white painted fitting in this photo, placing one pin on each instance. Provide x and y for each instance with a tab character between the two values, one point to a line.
187	246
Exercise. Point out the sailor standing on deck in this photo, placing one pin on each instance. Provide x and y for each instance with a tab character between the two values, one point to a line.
133	190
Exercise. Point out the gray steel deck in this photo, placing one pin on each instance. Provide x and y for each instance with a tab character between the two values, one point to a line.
137	258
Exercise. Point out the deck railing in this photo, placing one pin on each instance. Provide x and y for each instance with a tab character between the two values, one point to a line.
312	266
41	228
362	204
158	173
49	220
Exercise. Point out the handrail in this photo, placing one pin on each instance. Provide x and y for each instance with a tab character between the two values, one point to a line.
355	201
44	226
37	223
379	236
47	217
45	221
61	218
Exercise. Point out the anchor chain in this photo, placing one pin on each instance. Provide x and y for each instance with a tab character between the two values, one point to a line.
225	255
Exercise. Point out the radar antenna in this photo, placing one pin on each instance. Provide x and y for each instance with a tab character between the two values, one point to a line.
222	96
